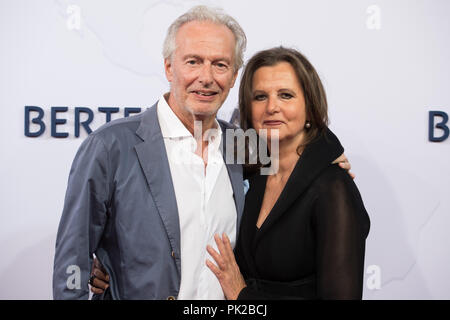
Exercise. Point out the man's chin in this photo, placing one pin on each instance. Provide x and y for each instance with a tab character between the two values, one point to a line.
203	112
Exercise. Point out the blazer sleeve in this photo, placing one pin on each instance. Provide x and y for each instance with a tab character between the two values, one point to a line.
83	219
341	227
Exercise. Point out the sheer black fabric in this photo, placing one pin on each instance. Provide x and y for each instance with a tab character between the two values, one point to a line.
312	244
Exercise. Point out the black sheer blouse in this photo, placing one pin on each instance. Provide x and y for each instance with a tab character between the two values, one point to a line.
312	244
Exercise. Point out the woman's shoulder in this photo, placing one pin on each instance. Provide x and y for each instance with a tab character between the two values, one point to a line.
334	179
338	197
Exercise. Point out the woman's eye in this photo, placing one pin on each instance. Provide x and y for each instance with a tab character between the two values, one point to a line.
286	95
259	97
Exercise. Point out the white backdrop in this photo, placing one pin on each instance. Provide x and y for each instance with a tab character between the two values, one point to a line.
384	63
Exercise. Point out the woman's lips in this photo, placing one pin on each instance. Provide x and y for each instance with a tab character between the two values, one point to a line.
273	123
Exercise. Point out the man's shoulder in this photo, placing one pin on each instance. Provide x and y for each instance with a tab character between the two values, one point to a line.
124	129
118	125
128	124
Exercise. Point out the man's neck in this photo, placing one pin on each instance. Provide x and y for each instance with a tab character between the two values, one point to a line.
190	121
197	126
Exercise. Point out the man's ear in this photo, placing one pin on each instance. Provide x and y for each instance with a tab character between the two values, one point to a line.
168	69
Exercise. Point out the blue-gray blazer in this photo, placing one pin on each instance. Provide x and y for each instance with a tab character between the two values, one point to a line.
120	204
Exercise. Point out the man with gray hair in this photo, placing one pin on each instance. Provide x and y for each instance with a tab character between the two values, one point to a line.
146	194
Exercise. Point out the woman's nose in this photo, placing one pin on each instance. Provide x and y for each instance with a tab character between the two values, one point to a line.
272	105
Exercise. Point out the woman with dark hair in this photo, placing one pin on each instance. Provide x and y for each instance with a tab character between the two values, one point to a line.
303	230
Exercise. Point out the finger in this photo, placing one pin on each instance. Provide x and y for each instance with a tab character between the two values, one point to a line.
213	268
227	245
221	247
98	265
342	158
99	274
345	165
97	290
216	256
100	284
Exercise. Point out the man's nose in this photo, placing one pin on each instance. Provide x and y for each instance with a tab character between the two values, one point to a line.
206	77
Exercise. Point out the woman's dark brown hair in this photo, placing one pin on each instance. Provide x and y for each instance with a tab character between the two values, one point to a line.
313	91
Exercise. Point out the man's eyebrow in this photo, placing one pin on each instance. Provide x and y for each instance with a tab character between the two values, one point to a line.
197	57
224	59
190	56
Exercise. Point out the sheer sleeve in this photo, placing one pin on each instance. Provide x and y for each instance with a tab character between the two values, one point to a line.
341	226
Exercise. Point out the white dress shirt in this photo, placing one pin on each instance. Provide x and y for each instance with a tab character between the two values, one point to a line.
205	202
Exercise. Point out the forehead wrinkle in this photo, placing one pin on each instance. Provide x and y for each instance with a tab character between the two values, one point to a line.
211	52
211	40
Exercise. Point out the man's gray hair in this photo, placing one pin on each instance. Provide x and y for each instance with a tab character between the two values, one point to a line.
215	15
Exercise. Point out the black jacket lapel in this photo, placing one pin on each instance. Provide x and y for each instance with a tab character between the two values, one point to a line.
316	157
253	202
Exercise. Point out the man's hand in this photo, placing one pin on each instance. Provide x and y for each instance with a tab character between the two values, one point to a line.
344	164
99	279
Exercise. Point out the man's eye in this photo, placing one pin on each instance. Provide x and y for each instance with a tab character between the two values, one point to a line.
191	62
222	65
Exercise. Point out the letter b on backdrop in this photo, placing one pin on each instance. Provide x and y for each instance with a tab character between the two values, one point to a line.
432	117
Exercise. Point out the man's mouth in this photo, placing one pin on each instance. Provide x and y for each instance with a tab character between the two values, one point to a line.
205	93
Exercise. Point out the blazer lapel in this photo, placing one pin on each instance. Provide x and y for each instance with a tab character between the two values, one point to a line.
316	157
153	159
253	202
236	177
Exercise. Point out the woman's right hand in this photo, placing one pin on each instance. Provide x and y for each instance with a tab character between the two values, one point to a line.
227	271
99	279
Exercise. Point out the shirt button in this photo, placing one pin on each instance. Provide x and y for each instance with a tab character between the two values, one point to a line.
170	298
173	254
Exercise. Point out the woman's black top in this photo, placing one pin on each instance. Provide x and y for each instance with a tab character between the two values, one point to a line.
311	245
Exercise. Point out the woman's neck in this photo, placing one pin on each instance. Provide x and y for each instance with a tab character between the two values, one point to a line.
288	155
